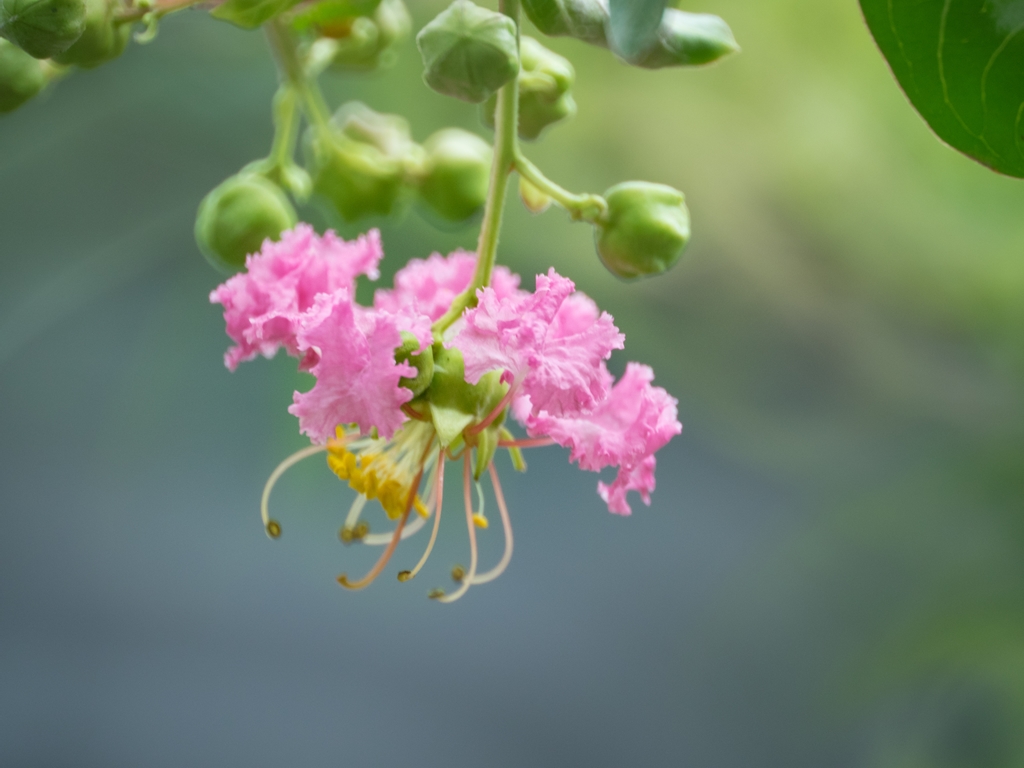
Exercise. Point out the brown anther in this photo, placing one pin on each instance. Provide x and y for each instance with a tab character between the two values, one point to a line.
346	535
458	573
434	594
273	529
404	575
361	530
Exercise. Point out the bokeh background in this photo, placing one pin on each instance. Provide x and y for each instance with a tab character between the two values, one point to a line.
831	572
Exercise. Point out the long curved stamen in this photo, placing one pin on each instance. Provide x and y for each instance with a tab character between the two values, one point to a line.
380	539
467	579
507	524
387	553
531	442
272	527
512	390
406	575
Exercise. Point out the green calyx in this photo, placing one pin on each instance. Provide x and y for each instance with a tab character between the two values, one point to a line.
102	39
237	216
688	39
584	20
359	162
455	174
249	14
456	405
645	230
21	76
469	52
42	28
544	91
422	362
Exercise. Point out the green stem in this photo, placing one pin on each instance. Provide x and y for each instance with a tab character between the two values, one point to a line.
590	208
506	147
286	54
286	121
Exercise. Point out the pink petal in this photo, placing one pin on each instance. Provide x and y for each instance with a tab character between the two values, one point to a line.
356	374
282	281
553	340
624	430
429	286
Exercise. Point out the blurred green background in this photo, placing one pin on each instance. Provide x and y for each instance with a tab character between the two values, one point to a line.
831	572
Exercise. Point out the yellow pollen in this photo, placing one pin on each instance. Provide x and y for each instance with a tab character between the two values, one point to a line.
420	507
480	521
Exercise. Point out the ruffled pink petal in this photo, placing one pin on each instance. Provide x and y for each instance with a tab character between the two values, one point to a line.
624	430
553	341
428	286
282	281
639	477
356	374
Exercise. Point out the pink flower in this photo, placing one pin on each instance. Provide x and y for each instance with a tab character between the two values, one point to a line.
429	286
356	373
282	281
552	341
623	430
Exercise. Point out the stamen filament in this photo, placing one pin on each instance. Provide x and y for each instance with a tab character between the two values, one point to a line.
406	575
387	553
272	527
507	524
468	579
380	539
530	442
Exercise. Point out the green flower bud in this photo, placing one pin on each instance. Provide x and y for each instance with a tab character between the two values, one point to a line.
423	363
534	199
544	97
237	216
102	39
456	174
645	230
583	19
21	76
394	22
688	39
42	28
359	49
469	52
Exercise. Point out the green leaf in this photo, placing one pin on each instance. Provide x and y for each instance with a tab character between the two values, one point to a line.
583	19
961	64
633	25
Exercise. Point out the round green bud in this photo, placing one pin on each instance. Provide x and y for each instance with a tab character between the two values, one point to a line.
457	173
544	97
21	76
645	230
42	28
423	363
394	22
237	216
359	163
102	39
469	52
688	39
359	48
585	20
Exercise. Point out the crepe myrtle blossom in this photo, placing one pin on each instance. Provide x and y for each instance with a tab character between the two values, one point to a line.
396	396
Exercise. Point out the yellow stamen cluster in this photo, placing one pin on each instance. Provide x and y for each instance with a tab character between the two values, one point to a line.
383	470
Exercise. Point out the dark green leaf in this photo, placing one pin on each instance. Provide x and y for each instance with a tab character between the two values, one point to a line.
961	64
633	25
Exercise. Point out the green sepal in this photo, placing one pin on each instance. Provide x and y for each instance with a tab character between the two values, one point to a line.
329	14
249	14
687	39
469	52
21	76
42	28
102	40
486	447
584	20
645	230
422	362
456	404
516	454
237	216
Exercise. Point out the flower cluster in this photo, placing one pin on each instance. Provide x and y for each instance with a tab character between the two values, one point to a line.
539	356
